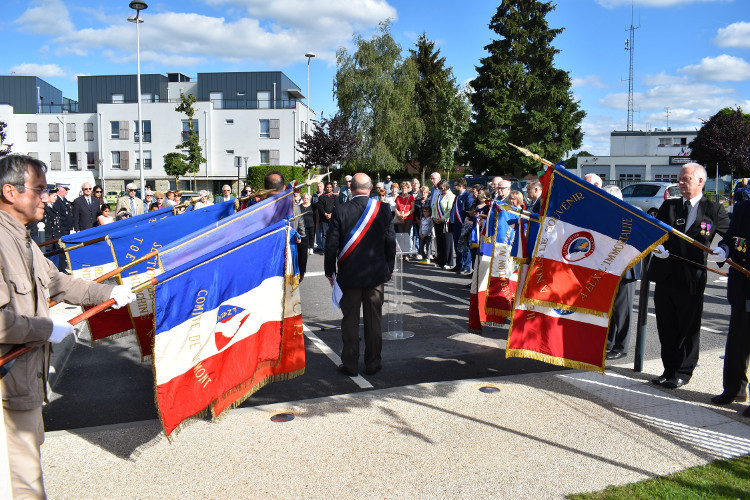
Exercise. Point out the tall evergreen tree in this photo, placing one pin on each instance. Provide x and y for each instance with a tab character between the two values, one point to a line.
519	96
442	107
374	89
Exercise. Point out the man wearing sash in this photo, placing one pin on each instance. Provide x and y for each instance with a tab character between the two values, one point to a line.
360	253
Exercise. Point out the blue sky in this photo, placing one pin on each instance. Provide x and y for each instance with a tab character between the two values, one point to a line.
691	56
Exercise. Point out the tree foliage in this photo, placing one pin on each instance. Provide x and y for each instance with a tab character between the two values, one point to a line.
441	106
194	156
724	139
4	148
519	96
374	89
175	165
331	142
572	162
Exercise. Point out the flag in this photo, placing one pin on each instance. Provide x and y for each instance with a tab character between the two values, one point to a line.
504	265
483	235
225	323
587	239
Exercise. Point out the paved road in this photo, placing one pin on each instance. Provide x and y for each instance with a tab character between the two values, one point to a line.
108	384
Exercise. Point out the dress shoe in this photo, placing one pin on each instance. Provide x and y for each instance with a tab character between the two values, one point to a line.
725	399
343	369
455	269
660	379
674	383
611	355
373	371
746	413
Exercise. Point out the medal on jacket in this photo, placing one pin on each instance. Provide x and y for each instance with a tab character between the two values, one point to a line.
740	244
705	228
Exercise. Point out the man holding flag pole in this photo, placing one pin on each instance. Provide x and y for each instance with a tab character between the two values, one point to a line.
29	281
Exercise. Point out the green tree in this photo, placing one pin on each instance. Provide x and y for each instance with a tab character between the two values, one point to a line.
194	156
724	139
175	165
519	96
572	162
442	107
4	148
374	88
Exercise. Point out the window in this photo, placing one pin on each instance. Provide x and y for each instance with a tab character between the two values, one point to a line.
229	121
186	128
217	99
70	132
229	151
274	128
91	160
265	129
72	161
147	97
118	98
665	177
146	160
115	159
665	142
146	131
264	157
120	159
55	160
54	132
31	132
269	157
34	155
114	128
264	99
88	131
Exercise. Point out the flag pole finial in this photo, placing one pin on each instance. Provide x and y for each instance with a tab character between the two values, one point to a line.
533	156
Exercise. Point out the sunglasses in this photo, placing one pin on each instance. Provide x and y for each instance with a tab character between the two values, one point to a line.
98	192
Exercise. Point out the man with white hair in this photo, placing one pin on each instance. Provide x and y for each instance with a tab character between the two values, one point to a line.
678	294
345	194
85	209
494	187
593	179
204	201
503	190
226	194
129	201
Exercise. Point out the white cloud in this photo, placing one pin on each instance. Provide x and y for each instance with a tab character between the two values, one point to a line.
723	68
663	79
46	17
589	80
610	4
734	35
40	70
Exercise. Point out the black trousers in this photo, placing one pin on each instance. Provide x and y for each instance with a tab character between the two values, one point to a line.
737	352
678	320
371	300
618	337
443	245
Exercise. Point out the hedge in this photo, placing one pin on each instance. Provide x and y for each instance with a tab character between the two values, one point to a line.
256	174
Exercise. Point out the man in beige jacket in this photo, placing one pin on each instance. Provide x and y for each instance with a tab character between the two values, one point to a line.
28	281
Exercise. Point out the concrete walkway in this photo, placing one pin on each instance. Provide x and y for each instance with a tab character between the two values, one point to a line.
538	436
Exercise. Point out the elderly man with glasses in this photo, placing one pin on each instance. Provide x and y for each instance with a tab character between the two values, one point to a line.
130	201
85	209
226	194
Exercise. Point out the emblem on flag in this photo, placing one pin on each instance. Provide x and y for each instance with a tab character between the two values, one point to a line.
229	320
578	246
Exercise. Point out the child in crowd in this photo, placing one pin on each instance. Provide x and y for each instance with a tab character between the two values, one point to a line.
105	217
425	234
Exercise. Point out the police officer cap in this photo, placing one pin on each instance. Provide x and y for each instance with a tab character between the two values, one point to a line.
51	188
62	185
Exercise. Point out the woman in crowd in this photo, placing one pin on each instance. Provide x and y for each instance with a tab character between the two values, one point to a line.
204	201
404	211
98	193
105	217
160	201
421	200
308	214
515	199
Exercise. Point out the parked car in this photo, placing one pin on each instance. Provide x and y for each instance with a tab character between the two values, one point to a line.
112	198
648	196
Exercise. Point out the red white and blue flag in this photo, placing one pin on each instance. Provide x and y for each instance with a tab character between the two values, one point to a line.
227	323
587	240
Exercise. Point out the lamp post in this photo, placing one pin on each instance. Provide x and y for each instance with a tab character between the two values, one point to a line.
309	56
138	6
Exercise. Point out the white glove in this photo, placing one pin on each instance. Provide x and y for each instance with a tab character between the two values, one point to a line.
717	255
60	329
122	295
660	252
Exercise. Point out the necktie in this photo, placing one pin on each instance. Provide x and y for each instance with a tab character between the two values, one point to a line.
132	206
88	200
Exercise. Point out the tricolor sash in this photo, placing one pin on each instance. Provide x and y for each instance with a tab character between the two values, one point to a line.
439	208
360	228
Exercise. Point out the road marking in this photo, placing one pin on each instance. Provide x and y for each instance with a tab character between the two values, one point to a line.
462	301
702	327
315	273
323	347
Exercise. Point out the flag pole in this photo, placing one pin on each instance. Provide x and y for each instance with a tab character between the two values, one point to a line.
75	247
185	204
23	349
519	211
48	242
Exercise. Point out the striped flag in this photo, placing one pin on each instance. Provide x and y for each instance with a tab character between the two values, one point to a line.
227	323
587	239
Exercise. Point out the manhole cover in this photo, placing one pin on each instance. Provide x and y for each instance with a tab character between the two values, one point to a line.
282	417
489	389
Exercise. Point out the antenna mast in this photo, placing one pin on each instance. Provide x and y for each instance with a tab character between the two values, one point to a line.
630	46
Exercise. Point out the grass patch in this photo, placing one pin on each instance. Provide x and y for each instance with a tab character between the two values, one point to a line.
720	479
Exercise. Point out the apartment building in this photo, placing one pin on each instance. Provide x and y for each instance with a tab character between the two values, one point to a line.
243	119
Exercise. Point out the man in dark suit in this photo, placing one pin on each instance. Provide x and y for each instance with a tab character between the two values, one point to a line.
85	209
63	209
461	205
737	353
360	253
678	294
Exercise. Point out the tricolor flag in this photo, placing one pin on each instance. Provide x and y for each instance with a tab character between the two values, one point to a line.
587	240
504	265
227	323
483	235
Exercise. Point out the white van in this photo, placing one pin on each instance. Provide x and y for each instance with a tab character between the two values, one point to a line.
74	179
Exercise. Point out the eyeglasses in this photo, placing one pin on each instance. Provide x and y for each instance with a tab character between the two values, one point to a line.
42	191
87	189
97	192
131	189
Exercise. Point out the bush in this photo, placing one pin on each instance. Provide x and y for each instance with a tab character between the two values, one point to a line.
256	174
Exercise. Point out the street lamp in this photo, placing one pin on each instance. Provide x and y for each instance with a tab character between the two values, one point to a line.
138	7
309	56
